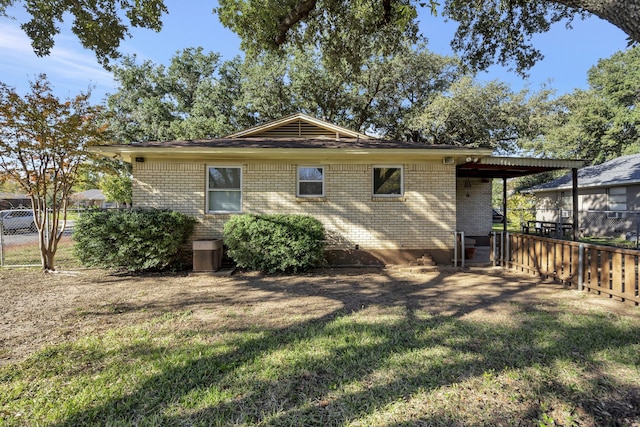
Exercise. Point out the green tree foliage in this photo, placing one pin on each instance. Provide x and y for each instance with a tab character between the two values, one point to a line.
134	240
489	31
197	97
490	116
42	145
117	188
520	208
154	102
345	30
602	122
88	178
272	243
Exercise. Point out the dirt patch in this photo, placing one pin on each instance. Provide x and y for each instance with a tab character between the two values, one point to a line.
38	309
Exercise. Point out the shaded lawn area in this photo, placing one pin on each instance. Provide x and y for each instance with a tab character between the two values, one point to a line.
22	249
332	348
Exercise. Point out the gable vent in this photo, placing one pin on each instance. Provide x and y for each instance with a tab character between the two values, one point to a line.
298	129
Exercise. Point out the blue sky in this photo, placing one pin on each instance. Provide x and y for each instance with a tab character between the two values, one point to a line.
71	69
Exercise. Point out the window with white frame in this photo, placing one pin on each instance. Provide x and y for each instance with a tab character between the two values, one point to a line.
388	181
617	198
310	181
566	204
224	189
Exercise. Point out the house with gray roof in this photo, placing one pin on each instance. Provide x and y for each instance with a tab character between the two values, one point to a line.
380	201
93	197
611	189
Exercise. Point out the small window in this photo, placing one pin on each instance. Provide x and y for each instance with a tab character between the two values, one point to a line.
387	181
566	204
310	181
224	189
617	198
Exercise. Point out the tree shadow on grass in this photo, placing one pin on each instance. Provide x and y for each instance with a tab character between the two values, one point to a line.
384	350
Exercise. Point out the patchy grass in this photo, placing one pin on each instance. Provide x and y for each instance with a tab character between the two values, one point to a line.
609	241
228	360
25	252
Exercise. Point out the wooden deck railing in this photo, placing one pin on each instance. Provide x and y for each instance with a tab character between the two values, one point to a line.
602	269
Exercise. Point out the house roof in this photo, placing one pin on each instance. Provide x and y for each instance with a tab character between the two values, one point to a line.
93	194
298	125
299	137
619	171
316	149
13	196
304	138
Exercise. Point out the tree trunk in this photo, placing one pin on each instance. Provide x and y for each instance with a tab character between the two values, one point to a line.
624	14
48	260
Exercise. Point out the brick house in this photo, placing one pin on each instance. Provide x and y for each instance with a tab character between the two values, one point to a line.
380	201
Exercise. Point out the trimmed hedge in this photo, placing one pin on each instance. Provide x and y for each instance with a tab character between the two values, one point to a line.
272	243
135	240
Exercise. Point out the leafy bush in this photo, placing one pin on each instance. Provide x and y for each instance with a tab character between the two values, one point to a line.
136	240
521	208
273	243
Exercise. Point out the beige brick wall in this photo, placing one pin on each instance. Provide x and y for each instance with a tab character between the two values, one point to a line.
424	218
474	207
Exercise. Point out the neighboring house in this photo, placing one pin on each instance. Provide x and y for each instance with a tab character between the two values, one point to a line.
606	194
89	198
380	201
13	201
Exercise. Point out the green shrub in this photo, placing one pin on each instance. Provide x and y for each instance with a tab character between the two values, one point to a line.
136	240
271	243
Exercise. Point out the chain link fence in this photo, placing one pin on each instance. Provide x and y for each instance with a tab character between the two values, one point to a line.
19	240
617	228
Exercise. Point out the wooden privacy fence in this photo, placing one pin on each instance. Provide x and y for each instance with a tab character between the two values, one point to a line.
603	269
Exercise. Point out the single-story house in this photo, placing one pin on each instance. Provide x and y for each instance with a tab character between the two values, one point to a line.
606	194
89	198
379	200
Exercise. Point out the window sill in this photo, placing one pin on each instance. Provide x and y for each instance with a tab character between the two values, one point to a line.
310	199
221	213
389	199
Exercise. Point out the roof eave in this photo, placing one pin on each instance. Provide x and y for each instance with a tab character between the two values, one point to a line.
130	152
580	186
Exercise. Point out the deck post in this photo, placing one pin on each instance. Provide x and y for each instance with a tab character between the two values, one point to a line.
493	247
455	248
581	267
507	252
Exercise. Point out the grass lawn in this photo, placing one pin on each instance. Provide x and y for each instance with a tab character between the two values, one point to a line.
332	348
26	252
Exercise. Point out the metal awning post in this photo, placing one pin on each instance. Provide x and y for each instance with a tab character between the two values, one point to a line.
574	193
504	203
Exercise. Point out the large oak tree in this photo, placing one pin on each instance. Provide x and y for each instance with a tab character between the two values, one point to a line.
489	31
601	122
196	96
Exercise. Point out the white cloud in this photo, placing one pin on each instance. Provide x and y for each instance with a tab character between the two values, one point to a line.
69	67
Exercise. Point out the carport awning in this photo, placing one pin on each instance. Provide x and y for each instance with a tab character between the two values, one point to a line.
512	167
